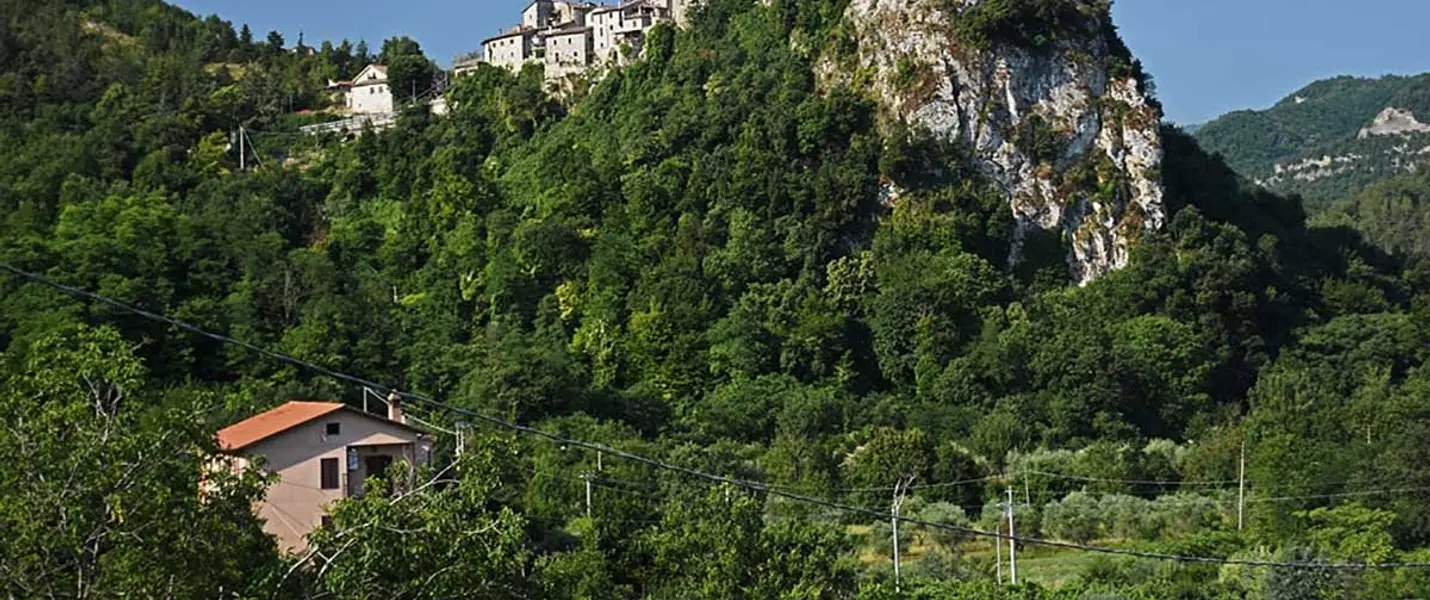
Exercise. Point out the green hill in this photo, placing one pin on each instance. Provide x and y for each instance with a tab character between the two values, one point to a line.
1311	143
701	260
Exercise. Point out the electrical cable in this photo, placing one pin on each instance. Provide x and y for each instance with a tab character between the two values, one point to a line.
1338	495
719	479
915	486
1164	482
1249	500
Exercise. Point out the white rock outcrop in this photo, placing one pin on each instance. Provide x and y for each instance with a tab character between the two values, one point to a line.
1394	121
1100	183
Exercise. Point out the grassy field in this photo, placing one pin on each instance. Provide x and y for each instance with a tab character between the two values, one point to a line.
1049	567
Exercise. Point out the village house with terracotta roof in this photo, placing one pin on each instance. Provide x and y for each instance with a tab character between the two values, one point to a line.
321	452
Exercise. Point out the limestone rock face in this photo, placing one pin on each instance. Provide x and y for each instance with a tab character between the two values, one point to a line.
1074	148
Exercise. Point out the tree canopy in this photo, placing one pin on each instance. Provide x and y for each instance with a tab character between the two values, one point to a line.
689	260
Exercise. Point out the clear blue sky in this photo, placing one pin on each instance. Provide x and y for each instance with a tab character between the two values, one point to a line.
1208	56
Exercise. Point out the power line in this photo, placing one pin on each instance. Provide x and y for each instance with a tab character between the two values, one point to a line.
660	464
621	490
1339	495
915	486
1164	482
1250	500
191	328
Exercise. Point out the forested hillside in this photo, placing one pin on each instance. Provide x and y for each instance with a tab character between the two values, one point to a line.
690	261
1392	214
1330	139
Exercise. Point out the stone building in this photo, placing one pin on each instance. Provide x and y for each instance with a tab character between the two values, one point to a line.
568	51
570	38
510	50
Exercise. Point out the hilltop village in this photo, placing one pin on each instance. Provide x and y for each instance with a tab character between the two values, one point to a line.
570	38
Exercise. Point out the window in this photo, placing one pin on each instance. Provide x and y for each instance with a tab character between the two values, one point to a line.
335	428
330	473
327	521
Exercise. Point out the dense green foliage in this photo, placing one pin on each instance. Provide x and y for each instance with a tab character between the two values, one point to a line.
690	263
1392	214
1025	23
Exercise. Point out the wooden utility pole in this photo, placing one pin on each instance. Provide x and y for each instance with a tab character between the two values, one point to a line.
1012	543
1241	487
998	551
900	489
587	476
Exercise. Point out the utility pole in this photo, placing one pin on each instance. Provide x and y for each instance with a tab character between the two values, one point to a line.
998	551
900	489
1012	543
242	156
1241	488
588	476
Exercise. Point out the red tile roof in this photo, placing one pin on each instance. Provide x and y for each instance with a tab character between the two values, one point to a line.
262	426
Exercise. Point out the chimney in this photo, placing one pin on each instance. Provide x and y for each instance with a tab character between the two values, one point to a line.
394	407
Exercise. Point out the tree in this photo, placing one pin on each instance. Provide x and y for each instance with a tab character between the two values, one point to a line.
888	457
275	41
410	75
1290	583
1076	517
397	47
441	537
944	513
1351	532
718	547
100	483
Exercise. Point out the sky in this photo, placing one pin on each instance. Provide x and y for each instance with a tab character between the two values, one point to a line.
1208	57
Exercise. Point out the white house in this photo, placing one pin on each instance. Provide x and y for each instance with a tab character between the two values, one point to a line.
571	37
603	22
368	93
510	50
568	51
466	66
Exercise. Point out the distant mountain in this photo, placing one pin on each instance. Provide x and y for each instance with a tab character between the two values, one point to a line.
1331	139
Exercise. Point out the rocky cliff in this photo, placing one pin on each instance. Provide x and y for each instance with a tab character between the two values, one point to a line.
1044	100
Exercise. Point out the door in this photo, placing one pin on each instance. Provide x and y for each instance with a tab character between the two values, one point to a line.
374	466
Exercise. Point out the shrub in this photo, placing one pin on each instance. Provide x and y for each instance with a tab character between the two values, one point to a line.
1077	518
945	513
1031	24
1185	514
1130	517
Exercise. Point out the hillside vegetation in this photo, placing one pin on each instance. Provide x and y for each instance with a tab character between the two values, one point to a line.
1324	119
1393	214
692	263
